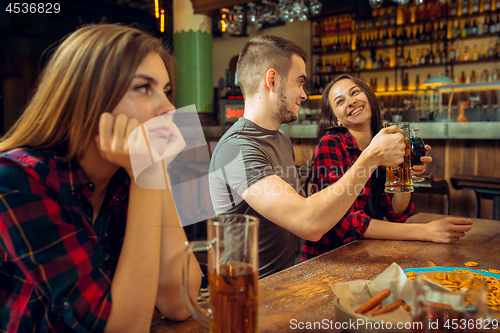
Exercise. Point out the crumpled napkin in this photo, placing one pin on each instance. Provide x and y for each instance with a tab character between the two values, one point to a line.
353	294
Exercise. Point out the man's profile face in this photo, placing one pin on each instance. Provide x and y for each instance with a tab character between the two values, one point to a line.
291	91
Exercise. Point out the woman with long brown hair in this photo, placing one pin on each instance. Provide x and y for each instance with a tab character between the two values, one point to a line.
350	118
83	247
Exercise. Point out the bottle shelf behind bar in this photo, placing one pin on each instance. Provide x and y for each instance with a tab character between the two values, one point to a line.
442	38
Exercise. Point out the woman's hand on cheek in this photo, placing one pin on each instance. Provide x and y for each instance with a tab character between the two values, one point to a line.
112	140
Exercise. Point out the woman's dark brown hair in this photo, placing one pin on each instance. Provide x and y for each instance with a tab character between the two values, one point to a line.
327	123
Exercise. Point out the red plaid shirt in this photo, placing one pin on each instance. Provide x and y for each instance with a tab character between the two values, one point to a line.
334	155
56	263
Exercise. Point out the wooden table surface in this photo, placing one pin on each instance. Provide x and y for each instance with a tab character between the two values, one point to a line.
302	292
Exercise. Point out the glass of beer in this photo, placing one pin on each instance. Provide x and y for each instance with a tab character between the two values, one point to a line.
449	302
398	179
233	271
417	151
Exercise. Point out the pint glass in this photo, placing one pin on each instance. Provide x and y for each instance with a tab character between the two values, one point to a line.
233	271
398	179
449	302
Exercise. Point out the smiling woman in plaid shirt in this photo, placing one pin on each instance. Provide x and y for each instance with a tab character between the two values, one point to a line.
83	248
350	118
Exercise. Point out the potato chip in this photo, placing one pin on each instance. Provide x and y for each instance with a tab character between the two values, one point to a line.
471	264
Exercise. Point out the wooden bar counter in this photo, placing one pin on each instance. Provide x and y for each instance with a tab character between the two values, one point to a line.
302	291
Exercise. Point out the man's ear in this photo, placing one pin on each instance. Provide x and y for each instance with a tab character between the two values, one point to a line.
271	79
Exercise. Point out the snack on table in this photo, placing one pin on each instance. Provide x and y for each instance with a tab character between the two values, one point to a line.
372	302
390	307
377	307
493	284
470	264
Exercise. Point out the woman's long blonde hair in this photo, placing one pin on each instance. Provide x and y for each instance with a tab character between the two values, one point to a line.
88	74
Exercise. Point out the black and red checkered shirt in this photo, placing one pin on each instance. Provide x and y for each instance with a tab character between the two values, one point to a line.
334	155
56	261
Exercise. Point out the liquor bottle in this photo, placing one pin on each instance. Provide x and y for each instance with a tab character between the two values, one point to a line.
465	7
473	77
458	54
475	6
473	28
443	56
480	28
462	78
498	47
328	66
357	61
437	57
430	56
484	76
401	60
319	66
453	8
405	82
486	5
386	83
486	26
409	62
497	27
452	53
422	58
493	24
375	87
475	55
466	56
316	86
491	51
417	82
369	63
482	53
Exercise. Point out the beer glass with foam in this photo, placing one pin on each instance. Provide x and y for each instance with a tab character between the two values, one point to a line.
233	270
398	179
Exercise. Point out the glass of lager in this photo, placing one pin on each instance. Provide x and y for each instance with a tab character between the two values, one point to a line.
398	179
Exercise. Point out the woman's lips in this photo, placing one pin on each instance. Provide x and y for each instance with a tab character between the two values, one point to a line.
162	131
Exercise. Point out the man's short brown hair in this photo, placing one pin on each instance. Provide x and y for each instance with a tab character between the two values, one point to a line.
259	55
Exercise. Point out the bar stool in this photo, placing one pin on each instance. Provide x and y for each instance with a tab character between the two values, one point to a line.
431	186
484	187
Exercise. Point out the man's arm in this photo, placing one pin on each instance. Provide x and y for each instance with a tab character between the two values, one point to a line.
310	218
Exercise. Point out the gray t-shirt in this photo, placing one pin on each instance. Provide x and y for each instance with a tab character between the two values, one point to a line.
246	154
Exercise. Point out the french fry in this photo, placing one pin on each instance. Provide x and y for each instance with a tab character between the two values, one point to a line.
370	313
389	308
372	302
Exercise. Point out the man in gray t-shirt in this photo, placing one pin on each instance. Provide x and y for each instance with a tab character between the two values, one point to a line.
264	153
252	167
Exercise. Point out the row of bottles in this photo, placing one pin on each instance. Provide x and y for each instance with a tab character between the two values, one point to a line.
462	78
433	55
428	32
406	14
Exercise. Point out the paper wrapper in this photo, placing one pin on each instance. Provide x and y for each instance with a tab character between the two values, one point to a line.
353	294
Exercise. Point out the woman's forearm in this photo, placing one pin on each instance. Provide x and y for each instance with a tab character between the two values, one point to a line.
400	202
135	282
169	299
